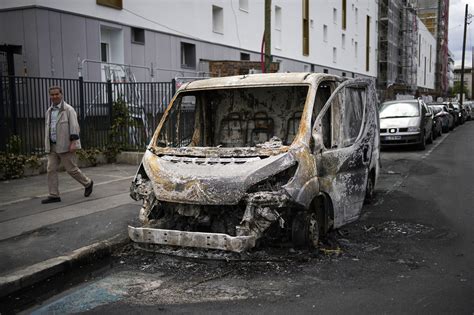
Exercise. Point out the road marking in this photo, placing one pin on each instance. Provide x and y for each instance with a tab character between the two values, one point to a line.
399	182
435	146
65	191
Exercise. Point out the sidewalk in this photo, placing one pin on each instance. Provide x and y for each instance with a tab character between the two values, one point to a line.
38	241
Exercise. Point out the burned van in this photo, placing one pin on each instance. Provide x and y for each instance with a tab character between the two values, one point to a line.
245	160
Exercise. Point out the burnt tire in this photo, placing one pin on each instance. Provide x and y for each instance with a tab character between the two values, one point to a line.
369	191
305	231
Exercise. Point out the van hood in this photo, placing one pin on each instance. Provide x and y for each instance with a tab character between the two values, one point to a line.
400	122
217	179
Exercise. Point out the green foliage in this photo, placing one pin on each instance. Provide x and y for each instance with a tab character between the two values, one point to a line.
457	88
118	133
12	163
88	155
14	145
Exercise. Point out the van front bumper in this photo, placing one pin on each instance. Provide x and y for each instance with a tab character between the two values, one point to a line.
220	241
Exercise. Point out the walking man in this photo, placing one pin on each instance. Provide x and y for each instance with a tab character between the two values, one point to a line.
61	142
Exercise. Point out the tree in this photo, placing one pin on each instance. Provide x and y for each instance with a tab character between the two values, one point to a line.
457	89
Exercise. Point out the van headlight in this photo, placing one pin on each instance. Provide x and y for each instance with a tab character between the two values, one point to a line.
413	129
275	182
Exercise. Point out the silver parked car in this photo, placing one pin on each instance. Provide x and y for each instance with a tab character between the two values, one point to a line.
405	122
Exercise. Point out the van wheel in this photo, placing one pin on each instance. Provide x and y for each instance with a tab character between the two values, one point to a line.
369	190
305	230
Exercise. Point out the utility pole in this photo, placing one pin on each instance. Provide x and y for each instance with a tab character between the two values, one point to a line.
466	16
268	33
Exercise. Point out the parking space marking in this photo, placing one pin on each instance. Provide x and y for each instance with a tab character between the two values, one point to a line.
443	137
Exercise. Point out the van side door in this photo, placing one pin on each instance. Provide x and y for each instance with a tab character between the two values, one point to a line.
344	152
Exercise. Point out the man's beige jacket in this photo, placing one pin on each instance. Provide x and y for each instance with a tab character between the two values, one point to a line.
67	129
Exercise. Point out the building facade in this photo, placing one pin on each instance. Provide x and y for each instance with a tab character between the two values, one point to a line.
426	59
435	15
164	39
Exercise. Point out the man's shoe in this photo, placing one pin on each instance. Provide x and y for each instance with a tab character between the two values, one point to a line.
88	190
51	200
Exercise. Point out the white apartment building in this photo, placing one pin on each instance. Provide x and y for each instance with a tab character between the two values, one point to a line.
168	38
426	57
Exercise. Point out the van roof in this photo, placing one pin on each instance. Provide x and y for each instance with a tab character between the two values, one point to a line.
261	79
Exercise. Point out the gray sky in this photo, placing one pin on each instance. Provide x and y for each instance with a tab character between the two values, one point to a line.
456	29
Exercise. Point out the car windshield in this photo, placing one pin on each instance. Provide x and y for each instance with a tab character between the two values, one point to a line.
234	117
402	109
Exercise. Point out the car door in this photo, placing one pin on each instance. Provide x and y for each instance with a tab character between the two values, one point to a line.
343	148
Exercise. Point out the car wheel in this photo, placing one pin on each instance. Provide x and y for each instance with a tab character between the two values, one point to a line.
422	144
430	138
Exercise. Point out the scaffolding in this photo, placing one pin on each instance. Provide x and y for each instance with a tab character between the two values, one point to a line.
409	48
397	48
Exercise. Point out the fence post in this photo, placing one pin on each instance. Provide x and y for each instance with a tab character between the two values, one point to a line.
173	87
12	87
82	105
110	102
3	121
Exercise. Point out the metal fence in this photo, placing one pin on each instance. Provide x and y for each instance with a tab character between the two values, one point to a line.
24	101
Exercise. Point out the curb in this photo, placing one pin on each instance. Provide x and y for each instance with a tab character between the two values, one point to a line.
33	274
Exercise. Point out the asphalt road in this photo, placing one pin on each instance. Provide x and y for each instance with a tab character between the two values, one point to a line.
412	251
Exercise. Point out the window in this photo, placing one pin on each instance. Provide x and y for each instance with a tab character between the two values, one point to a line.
424	73
277	18
104	52
343	41
344	4
188	55
356	15
353	113
277	27
367	45
116	4
244	56
342	121
430	58
343	74
334	55
334	15
325	71
217	19
138	35
419	50
325	33
306	27
356	48
244	5
330	123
